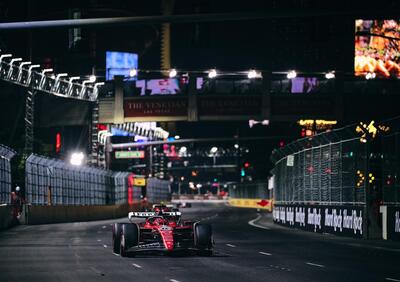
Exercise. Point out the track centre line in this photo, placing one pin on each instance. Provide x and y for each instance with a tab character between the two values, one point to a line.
230	245
392	279
265	254
136	265
315	264
252	223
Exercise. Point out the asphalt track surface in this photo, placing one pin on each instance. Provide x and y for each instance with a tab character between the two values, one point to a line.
243	252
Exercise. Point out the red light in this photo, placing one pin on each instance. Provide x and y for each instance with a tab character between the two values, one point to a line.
281	144
246	164
101	126
303	132
309	132
58	142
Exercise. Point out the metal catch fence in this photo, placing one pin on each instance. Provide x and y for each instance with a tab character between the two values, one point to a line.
325	169
50	181
6	154
158	190
391	169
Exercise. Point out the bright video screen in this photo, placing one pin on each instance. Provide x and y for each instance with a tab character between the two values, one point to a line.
120	63
304	84
158	86
377	48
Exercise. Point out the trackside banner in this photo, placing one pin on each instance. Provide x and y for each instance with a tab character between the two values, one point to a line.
339	220
393	223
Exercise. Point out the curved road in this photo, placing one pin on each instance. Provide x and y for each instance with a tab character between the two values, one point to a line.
82	252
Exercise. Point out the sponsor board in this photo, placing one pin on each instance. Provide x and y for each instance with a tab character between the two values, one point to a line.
265	204
393	223
339	220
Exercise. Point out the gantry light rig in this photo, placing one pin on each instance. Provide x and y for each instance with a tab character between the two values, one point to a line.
35	79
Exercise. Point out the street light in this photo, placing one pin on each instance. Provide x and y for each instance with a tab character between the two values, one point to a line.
132	72
212	73
31	67
291	74
20	70
330	75
92	78
44	77
10	71
172	73
5	56
77	158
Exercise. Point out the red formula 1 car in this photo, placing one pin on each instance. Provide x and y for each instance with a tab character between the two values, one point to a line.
163	230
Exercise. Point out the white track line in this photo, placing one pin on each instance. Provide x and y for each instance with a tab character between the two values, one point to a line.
230	245
252	223
136	265
392	279
265	254
315	264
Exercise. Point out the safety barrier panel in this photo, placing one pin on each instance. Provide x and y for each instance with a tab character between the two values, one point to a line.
264	204
158	190
6	154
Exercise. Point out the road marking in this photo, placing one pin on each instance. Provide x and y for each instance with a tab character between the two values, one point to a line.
104	226
392	279
116	254
105	246
173	280
315	264
136	265
230	245
98	240
252	223
265	254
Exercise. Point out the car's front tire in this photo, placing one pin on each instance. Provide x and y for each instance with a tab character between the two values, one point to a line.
129	237
116	237
203	239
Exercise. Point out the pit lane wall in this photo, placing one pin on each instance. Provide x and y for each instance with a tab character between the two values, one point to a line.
264	204
339	220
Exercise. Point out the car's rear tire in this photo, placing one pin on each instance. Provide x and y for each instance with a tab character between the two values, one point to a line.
203	239
129	237
116	237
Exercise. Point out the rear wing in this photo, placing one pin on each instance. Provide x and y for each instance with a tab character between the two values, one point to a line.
150	214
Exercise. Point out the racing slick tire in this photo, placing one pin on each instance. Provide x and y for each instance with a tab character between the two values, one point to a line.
116	237
203	239
129	237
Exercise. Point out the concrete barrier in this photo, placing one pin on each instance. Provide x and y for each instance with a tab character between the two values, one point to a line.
58	214
6	219
265	204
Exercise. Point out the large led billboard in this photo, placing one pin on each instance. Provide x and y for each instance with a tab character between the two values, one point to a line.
120	63
377	48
